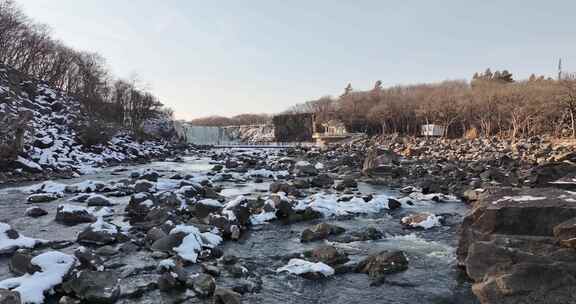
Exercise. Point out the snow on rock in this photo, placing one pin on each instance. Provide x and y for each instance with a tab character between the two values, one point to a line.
10	240
422	220
519	199
194	241
54	266
299	266
328	204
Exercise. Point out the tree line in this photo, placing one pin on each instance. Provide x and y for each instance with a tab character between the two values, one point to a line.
491	104
29	47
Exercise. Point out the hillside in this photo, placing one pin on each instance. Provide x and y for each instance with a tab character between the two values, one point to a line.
50	120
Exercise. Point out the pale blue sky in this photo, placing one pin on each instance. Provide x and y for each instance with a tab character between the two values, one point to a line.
229	57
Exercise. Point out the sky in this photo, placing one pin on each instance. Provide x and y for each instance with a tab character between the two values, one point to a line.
226	57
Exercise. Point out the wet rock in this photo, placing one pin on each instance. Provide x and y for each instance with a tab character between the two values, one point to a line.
226	296
144	186
9	297
150	175
20	263
217	168
347	182
167	243
301	184
327	254
386	262
303	168
99	200
320	232
367	234
99	234
35	212
212	270
106	251
322	181
276	187
94	286
565	233
154	234
43	197
88	259
139	205
69	215
379	162
203	284
394	204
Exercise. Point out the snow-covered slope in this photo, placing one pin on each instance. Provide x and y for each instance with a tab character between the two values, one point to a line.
50	141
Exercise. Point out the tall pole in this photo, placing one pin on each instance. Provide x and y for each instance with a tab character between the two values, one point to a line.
560	69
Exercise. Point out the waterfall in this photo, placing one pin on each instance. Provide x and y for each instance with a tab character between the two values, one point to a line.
200	135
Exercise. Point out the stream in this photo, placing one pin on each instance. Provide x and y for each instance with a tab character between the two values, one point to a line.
431	277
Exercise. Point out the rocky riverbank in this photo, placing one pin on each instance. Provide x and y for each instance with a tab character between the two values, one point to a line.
362	220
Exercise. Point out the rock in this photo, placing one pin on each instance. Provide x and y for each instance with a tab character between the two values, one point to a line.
211	270
98	200
106	251
346	183
155	234
320	232
276	187
20	263
226	296
565	233
328	255
394	204
421	220
472	195
43	197
144	186
322	181
383	263
377	162
9	297
167	243
99	234
301	184
303	168
70	215
204	285
513	246
149	175
88	259
35	212
94	286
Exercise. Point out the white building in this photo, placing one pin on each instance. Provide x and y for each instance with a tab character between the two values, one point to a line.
432	130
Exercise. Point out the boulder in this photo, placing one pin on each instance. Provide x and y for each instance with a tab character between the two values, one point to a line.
71	215
99	234
327	254
97	200
144	186
9	297
322	181
94	286
320	232
386	262
513	246
226	296
20	263
35	212
379	162
43	197
204	285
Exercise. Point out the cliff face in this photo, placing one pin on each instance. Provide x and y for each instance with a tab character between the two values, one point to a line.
37	131
293	127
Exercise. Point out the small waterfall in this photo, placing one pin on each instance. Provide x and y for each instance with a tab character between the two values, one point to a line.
200	135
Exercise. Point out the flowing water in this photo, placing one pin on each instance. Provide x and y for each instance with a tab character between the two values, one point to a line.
432	276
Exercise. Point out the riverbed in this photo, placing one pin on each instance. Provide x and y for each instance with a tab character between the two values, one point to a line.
432	275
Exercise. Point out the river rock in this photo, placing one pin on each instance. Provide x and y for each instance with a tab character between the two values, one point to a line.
98	200
70	215
322	181
320	232
203	284
35	212
43	197
99	234
327	254
226	296
20	263
94	286
9	297
144	186
379	161
383	263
